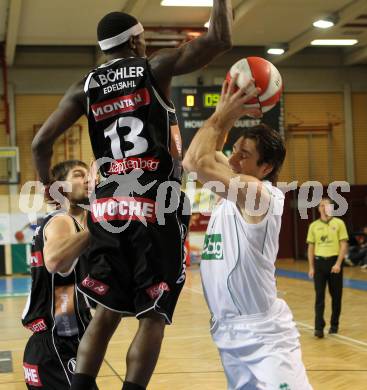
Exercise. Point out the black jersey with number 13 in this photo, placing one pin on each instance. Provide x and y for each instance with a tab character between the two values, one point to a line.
130	122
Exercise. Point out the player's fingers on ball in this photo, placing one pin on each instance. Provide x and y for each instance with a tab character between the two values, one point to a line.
255	92
246	90
247	96
252	93
254	113
248	86
240	94
232	84
249	83
224	87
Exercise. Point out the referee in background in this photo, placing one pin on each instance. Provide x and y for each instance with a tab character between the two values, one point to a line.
327	240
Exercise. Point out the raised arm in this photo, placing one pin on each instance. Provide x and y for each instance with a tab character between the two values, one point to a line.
198	52
70	109
203	158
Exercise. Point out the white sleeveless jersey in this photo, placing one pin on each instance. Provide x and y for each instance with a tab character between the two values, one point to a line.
237	266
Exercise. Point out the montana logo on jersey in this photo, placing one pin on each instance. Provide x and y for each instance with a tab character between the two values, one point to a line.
31	375
121	104
213	247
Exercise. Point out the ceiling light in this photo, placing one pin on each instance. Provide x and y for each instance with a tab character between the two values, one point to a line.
187	3
276	51
322	23
327	21
334	42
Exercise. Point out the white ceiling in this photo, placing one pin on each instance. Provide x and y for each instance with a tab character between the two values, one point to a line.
257	22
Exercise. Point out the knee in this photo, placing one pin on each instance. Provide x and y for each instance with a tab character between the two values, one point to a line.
154	325
105	321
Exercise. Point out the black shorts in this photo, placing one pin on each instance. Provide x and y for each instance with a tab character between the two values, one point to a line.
142	267
49	361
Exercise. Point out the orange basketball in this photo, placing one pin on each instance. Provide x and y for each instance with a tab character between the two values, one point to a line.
19	236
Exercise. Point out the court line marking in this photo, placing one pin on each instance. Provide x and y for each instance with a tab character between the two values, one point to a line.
334	370
338	337
112	369
13	295
189	372
198	336
194	290
22	381
354	284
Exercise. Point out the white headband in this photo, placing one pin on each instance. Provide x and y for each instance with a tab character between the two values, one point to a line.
121	38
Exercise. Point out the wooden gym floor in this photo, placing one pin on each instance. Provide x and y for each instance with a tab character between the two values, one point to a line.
189	359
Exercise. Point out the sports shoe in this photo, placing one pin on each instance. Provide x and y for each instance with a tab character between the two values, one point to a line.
319	333
333	330
364	266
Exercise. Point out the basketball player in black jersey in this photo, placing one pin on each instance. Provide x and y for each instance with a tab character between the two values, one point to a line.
139	271
56	312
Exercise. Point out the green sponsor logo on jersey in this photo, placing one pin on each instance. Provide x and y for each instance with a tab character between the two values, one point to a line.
284	386
213	247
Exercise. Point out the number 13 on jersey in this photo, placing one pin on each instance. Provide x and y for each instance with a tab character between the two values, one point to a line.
135	125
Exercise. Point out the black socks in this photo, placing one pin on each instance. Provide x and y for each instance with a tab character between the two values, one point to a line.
132	386
83	382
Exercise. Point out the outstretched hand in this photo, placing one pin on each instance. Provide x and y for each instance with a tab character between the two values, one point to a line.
231	105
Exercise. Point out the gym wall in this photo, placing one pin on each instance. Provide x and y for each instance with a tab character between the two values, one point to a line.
32	110
300	108
310	158
360	136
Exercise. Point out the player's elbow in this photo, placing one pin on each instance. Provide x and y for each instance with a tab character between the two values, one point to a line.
191	163
39	144
221	43
225	44
220	38
36	145
53	264
198	165
188	163
53	259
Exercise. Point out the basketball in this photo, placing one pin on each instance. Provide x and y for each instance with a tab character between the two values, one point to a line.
19	236
189	162
266	76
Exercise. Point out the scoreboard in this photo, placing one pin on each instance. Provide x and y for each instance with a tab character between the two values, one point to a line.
196	104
